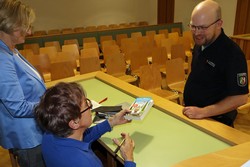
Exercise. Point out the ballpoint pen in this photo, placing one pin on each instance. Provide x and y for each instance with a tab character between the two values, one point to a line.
103	100
119	146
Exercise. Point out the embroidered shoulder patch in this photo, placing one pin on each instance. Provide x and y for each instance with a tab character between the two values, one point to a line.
242	79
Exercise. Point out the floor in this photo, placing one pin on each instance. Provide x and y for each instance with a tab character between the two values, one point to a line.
4	158
242	123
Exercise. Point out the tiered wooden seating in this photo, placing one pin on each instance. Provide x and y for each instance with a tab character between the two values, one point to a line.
167	44
26	52
186	44
176	29
39	33
145	42
62	69
107	43
72	48
89	39
89	52
113	26
119	37
54	43
92	45
188	34
158	38
136	34
164	31
72	41
42	63
33	59
143	23
51	51
151	34
178	51
138	58
116	66
133	24
150	79
33	46
127	46
89	64
174	36
124	25
92	31
54	32
90	28
69	57
159	56
67	31
102	27
79	29
105	38
175	76
110	51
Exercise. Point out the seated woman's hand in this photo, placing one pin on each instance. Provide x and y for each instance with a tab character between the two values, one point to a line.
118	118
127	148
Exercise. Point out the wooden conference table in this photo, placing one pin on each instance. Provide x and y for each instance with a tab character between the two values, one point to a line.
165	137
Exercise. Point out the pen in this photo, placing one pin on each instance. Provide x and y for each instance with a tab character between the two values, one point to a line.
119	146
103	100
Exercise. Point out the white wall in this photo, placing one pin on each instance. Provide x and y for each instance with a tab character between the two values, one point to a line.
73	13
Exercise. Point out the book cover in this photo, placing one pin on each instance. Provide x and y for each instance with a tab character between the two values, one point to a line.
139	108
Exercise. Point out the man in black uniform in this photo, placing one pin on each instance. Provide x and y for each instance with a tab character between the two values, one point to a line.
218	81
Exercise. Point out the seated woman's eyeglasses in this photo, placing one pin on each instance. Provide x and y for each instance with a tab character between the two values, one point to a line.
201	28
89	106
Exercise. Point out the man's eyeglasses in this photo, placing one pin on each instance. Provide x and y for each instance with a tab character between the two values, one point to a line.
89	106
201	28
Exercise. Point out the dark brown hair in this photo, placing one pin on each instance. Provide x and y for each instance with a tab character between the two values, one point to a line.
58	106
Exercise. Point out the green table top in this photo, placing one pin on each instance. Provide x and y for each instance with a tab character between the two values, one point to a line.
160	139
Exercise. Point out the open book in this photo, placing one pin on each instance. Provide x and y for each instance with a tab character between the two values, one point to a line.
139	108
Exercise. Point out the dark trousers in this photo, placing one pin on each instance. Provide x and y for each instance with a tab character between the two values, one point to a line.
227	118
29	157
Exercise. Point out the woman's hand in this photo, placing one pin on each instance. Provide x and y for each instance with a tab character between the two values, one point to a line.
127	148
118	118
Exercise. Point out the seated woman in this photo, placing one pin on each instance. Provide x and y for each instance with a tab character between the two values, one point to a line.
64	113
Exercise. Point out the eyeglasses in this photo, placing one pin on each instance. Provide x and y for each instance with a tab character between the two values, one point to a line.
89	106
201	28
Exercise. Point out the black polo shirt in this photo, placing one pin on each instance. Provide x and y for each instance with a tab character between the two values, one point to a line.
220	70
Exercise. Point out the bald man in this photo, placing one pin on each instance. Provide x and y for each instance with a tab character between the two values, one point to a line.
218	81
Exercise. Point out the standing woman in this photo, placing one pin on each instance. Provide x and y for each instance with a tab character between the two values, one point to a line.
21	87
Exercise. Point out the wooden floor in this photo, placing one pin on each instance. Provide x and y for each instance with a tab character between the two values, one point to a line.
242	123
4	158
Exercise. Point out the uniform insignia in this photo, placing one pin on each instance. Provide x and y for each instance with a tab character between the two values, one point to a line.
242	79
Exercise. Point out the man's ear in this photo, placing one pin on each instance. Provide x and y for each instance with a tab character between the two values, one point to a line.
220	23
74	124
